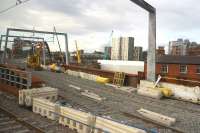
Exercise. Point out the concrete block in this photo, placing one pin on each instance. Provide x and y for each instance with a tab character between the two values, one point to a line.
92	95
165	120
114	127
149	92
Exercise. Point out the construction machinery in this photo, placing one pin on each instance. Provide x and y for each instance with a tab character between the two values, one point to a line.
34	60
61	56
78	53
38	50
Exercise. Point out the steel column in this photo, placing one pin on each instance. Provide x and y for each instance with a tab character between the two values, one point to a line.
6	43
1	41
151	56
66	50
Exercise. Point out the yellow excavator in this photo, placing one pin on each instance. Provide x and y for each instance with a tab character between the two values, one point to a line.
34	60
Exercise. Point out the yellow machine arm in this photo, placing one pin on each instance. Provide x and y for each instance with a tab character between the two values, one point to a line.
78	54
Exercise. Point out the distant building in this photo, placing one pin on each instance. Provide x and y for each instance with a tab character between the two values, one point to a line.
137	54
180	47
107	52
160	51
194	51
122	48
144	55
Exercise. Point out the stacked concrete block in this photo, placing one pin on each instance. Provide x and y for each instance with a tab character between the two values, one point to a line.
88	76
149	92
146	88
45	108
165	120
77	120
26	95
191	94
106	125
73	73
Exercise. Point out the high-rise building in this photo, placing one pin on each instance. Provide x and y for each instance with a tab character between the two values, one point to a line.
107	52
122	48
137	54
194	51
180	47
177	47
160	51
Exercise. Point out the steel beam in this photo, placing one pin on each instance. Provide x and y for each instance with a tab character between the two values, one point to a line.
2	36
35	31
151	56
144	5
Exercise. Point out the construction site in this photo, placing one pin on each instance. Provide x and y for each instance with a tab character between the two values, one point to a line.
42	91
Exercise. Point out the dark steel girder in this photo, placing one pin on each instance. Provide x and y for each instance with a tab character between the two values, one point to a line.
35	31
144	5
12	36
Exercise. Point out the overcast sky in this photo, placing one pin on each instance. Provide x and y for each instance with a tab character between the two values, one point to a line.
90	22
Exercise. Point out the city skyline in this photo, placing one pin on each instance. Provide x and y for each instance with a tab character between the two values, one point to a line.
91	22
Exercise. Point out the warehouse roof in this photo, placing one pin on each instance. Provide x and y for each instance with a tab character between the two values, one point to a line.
169	59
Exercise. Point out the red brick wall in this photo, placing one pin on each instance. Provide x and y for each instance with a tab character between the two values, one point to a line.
174	72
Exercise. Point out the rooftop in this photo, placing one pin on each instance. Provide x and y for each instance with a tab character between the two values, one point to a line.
169	59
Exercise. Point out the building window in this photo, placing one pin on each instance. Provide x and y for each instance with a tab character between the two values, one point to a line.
35	108
62	119
53	97
49	113
183	69
80	126
74	123
164	69
198	69
40	110
68	121
100	131
45	112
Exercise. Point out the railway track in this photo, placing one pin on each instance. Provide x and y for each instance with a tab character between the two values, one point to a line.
9	123
187	114
26	118
149	125
148	103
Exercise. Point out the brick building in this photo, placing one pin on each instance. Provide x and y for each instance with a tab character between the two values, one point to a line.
178	69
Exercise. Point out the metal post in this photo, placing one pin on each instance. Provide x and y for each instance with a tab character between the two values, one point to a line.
44	55
1	41
151	57
29	80
6	43
66	50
